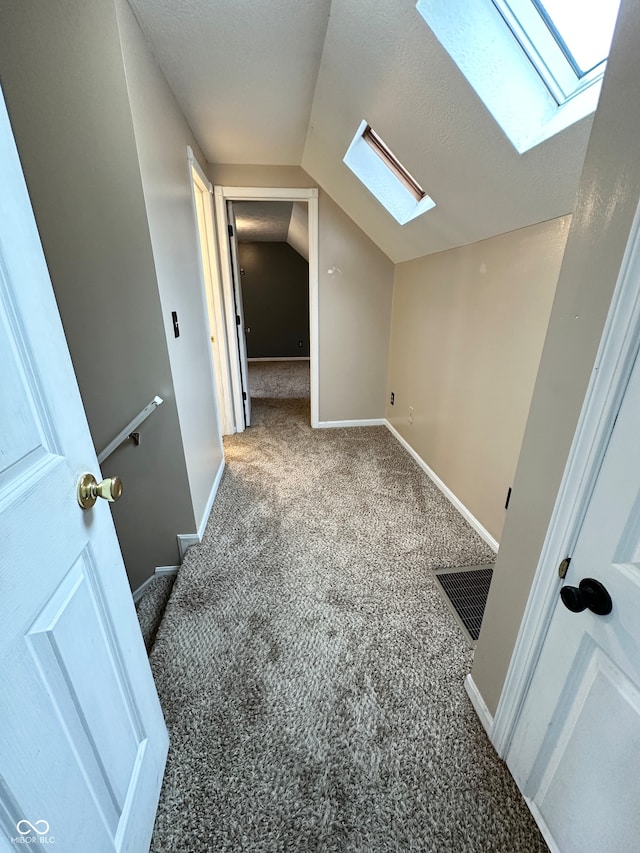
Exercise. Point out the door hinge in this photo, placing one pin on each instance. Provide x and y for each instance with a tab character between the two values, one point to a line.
230	229
563	568
506	503
237	319
244	395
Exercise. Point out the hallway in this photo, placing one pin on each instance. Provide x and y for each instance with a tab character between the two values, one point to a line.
310	674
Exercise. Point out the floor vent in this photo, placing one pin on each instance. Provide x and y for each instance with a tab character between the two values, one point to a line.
465	592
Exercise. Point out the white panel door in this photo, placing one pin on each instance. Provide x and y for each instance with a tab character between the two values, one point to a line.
82	738
576	750
240	327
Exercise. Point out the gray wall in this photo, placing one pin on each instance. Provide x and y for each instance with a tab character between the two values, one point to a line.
62	73
354	304
467	333
162	136
607	201
275	297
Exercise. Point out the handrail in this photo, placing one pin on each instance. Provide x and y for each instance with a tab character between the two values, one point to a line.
126	433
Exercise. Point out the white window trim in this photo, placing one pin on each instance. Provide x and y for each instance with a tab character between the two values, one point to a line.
544	52
485	50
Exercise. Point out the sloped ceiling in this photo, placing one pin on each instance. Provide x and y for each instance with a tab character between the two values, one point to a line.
287	83
262	221
243	71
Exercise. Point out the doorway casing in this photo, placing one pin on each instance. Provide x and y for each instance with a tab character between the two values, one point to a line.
202	197
221	196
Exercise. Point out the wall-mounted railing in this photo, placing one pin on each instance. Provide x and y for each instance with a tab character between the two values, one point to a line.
129	432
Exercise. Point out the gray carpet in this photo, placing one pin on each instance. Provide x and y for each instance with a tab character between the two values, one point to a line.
279	379
150	608
310	673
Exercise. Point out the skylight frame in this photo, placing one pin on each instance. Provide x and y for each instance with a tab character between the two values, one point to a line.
391	161
502	74
381	172
547	51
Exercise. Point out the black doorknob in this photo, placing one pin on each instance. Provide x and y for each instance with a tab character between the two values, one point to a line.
589	595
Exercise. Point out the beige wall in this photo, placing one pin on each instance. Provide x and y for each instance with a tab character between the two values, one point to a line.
467	333
62	75
162	136
354	319
607	201
354	305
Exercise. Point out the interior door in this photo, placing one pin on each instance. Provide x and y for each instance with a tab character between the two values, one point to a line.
240	327
576	750
82	738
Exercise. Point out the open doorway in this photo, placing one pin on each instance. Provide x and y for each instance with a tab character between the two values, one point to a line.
273	256
242	213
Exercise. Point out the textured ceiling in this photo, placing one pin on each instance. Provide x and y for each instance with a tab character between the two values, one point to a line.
262	221
243	71
256	77
407	87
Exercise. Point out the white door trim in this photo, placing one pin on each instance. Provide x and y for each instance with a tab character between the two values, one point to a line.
612	368
224	194
212	293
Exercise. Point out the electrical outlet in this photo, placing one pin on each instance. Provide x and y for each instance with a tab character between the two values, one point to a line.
393	398
300	344
410	414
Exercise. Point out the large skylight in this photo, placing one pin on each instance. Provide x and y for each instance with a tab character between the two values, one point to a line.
567	42
586	28
536	64
371	160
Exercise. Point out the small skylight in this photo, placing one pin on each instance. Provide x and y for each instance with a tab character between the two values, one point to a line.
371	160
536	64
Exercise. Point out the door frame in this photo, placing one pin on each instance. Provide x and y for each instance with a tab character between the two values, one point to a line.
310	196
210	280
618	350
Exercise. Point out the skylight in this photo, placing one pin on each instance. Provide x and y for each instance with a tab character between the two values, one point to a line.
585	29
536	64
566	41
371	160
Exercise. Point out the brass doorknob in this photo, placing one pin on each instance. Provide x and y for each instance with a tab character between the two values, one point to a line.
89	490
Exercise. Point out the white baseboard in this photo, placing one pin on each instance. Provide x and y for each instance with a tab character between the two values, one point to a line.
140	591
284	358
161	571
185	540
212	497
484	715
446	491
361	423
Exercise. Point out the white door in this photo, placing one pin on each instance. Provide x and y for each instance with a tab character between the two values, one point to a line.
576	750
82	739
240	327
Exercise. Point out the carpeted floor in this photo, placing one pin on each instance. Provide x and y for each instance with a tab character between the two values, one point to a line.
310	673
279	379
151	607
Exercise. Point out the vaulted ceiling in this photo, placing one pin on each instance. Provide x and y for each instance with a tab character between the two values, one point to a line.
285	82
